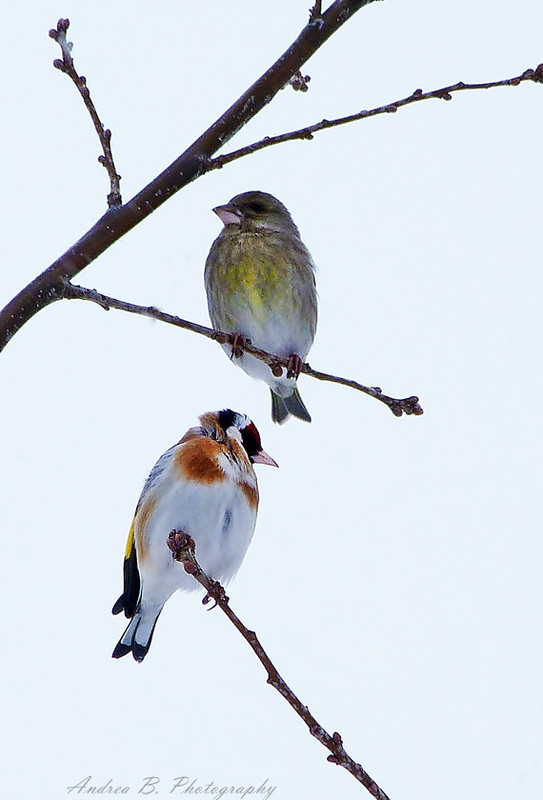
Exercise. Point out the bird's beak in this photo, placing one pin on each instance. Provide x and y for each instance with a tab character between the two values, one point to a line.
229	215
263	458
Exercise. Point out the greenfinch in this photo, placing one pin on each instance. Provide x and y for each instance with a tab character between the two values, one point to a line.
260	285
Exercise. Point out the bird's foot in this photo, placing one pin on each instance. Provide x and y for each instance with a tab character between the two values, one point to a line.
295	365
215	593
239	342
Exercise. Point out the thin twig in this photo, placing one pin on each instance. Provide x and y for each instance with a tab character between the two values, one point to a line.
406	405
445	93
183	550
316	11
66	64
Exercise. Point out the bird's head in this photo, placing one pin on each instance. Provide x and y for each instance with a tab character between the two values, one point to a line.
228	425
256	211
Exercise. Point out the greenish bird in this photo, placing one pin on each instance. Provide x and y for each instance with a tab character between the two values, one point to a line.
260	285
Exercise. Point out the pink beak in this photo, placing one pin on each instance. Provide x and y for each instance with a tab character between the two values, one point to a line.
229	215
263	458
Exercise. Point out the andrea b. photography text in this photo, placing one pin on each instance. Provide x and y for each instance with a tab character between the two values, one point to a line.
182	785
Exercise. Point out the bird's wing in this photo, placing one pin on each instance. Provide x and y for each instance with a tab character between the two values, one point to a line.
128	601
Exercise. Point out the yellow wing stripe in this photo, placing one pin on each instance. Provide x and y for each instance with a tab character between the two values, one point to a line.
130	541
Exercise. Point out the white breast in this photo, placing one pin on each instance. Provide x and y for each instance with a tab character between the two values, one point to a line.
217	517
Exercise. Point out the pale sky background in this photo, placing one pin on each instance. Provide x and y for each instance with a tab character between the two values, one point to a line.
395	572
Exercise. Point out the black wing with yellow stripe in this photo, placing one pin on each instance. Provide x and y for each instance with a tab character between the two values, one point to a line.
128	601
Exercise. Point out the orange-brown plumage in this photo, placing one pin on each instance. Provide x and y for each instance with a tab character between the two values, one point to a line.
197	461
251	494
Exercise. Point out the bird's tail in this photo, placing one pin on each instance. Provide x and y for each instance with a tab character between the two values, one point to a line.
139	633
283	407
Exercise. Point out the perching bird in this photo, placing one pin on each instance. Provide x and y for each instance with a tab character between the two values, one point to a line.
260	285
206	487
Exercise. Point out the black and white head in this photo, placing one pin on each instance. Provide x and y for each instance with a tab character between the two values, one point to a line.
228	425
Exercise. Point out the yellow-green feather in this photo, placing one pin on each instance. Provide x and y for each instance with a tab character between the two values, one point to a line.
263	271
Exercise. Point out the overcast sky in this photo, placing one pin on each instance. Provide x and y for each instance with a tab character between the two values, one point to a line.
395	572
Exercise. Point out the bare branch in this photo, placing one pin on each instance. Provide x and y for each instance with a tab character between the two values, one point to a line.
183	550
407	405
49	286
445	93
66	64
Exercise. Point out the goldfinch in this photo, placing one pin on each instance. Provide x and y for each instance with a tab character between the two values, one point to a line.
260	285
205	486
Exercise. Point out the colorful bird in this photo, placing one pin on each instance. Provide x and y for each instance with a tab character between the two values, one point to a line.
260	285
206	487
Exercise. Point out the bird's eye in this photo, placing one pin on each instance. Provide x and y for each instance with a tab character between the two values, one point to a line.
256	207
250	438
